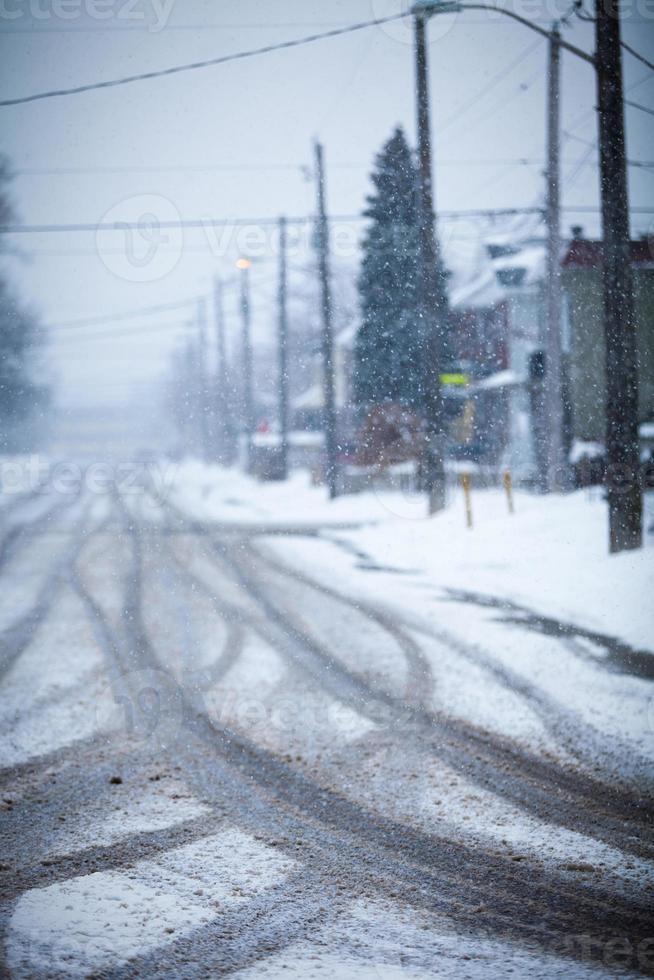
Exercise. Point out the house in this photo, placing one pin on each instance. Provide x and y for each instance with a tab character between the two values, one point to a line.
307	409
584	334
496	323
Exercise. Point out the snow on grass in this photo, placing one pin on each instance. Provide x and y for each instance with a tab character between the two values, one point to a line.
212	493
98	921
551	554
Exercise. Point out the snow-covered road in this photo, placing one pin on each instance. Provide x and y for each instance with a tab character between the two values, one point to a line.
231	750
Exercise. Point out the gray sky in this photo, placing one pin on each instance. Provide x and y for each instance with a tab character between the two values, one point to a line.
252	124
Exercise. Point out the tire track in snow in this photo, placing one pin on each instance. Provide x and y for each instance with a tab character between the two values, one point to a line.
429	857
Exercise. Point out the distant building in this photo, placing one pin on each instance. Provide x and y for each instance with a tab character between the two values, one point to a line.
584	333
497	324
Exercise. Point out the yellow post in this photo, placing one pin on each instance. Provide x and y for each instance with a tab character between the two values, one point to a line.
508	487
465	483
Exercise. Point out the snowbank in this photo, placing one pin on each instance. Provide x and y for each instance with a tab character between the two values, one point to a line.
550	555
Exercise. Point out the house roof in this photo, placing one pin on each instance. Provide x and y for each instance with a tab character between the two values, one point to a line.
481	291
497	275
584	253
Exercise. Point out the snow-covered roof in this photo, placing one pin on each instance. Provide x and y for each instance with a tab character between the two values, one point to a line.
496	277
481	291
501	379
530	259
584	449
347	336
311	398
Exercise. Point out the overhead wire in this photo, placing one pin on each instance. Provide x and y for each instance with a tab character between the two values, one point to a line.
206	63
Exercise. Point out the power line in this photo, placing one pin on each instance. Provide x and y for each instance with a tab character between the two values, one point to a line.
488	87
240	55
146	26
262	167
636	54
129	332
128	315
592	144
209	63
204	223
637	105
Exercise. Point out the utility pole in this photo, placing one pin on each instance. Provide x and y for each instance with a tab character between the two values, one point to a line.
202	380
248	395
622	481
322	241
223	408
283	353
432	297
556	462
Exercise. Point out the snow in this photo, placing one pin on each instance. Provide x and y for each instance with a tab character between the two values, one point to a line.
550	555
581	449
531	259
379	940
60	685
480	292
492	660
311	439
152	810
461	809
101	920
501	379
211	493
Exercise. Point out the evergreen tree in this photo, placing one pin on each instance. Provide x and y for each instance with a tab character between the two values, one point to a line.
22	400
388	359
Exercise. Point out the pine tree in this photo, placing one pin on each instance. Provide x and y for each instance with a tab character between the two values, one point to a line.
387	352
22	400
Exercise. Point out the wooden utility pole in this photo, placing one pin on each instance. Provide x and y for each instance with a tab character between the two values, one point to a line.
432	297
224	423
555	461
322	243
248	394
283	353
622	447
203	407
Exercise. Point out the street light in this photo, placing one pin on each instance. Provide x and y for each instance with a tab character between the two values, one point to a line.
426	8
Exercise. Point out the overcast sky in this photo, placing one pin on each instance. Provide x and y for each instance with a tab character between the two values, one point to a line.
119	154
